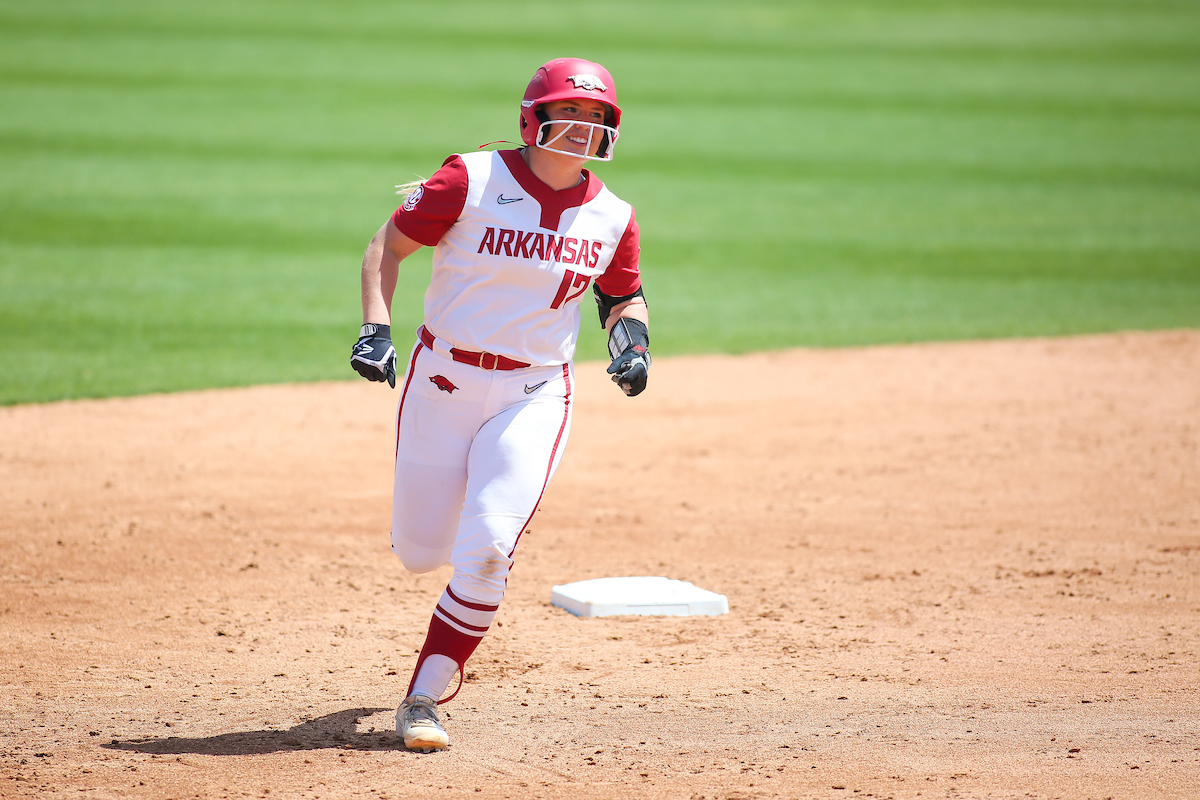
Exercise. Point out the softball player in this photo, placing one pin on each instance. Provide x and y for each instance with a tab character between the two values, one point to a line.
519	237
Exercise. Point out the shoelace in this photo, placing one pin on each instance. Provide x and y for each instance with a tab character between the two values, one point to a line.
422	714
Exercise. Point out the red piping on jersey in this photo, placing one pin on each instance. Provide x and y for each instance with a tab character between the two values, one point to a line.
566	368
553	203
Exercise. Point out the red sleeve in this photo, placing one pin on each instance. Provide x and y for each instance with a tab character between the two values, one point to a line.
622	277
429	211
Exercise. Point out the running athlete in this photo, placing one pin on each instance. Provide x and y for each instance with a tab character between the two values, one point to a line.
519	237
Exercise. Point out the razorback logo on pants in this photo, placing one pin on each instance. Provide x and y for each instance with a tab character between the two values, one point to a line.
442	383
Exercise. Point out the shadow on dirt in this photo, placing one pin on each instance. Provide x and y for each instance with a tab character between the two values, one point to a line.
337	730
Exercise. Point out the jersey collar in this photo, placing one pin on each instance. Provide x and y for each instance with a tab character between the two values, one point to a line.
553	204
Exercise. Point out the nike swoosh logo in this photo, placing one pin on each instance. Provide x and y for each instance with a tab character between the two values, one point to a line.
534	388
502	200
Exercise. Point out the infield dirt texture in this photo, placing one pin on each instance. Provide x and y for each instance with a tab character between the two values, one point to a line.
954	570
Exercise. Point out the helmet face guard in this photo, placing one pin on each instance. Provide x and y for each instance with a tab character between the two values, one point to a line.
604	135
570	79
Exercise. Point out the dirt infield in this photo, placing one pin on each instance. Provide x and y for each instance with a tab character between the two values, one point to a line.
954	570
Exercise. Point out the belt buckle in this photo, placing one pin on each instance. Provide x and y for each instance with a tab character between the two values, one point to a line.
483	357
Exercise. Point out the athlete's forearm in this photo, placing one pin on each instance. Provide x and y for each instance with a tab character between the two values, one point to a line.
380	271
634	308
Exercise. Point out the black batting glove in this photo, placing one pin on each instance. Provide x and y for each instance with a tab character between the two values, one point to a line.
373	356
629	346
630	371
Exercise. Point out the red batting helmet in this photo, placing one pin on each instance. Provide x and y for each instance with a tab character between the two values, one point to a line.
570	79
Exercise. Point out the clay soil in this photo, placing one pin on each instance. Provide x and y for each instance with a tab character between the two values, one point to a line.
953	570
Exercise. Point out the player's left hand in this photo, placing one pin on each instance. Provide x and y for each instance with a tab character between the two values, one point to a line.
373	355
629	346
631	370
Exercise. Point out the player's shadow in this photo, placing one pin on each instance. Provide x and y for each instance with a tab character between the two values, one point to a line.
337	730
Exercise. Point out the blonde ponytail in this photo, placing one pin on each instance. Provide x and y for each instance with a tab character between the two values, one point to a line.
405	189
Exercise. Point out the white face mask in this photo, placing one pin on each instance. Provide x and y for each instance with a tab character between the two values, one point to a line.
567	147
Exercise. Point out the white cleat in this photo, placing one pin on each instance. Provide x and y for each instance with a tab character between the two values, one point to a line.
417	721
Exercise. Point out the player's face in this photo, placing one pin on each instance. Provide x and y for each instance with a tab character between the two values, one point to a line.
582	139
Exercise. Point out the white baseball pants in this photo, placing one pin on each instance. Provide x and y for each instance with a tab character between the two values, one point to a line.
475	451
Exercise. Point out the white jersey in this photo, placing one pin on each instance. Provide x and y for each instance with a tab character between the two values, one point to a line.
513	259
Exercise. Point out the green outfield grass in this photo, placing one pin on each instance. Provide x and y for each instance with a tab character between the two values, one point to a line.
186	189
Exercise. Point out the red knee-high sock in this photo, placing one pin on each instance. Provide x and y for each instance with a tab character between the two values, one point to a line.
457	627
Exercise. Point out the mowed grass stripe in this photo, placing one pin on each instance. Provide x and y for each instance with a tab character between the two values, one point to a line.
185	191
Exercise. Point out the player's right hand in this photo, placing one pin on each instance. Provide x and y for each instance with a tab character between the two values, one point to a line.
373	356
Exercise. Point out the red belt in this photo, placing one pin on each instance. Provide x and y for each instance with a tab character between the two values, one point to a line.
481	360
